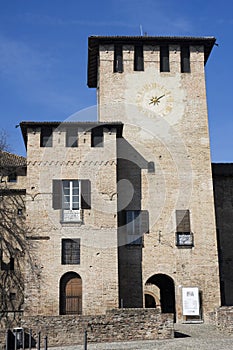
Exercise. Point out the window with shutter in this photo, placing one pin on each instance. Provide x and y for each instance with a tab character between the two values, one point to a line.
71	196
71	251
164	59
185	59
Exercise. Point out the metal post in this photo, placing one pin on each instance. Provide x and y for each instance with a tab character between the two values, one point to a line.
45	342
15	340
7	343
23	339
30	339
85	340
38	341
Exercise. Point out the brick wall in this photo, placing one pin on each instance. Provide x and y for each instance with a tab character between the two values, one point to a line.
115	325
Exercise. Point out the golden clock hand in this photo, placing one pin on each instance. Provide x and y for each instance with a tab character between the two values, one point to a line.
158	98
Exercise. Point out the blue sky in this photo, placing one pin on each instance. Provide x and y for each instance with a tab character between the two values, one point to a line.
43	56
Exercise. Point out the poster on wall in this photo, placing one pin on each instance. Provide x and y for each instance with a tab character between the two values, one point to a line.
190	301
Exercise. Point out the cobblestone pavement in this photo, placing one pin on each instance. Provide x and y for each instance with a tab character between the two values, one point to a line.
187	337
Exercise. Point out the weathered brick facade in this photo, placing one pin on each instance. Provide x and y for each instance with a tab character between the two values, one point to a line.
105	200
115	325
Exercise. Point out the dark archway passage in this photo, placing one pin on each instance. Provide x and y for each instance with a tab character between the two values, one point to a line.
70	294
149	301
167	292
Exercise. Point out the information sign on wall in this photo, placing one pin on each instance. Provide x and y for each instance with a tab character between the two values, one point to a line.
190	301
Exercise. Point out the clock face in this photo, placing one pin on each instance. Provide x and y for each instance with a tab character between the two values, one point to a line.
154	99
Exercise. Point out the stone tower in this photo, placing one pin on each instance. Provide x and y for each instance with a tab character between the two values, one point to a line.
166	223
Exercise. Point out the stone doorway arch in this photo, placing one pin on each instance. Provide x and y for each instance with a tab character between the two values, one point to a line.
70	294
167	292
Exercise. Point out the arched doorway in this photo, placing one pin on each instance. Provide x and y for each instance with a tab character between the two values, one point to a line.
167	292
149	301
70	294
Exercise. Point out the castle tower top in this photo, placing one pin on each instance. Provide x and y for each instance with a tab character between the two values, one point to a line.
94	43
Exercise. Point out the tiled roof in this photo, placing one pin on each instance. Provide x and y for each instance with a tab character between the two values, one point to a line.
95	41
11	160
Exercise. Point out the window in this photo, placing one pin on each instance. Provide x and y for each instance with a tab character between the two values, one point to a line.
151	167
138	58
12	177
20	211
71	200
185	59
118	59
97	137
71	138
184	236
137	223
164	59
71	196
12	296
70	251
46	137
182	221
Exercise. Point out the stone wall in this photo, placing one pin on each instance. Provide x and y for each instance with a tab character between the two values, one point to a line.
115	325
173	136
224	319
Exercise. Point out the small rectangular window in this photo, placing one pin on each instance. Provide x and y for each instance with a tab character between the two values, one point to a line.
71	138
12	296
118	59
46	137
12	177
20	211
138	58
151	167
185	59
164	59
71	251
97	137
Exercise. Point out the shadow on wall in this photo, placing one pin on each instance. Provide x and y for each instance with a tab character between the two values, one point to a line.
133	222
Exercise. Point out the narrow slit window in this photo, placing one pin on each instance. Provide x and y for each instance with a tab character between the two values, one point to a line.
164	59
118	59
185	59
138	58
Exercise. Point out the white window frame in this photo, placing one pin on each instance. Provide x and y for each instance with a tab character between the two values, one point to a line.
70	214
